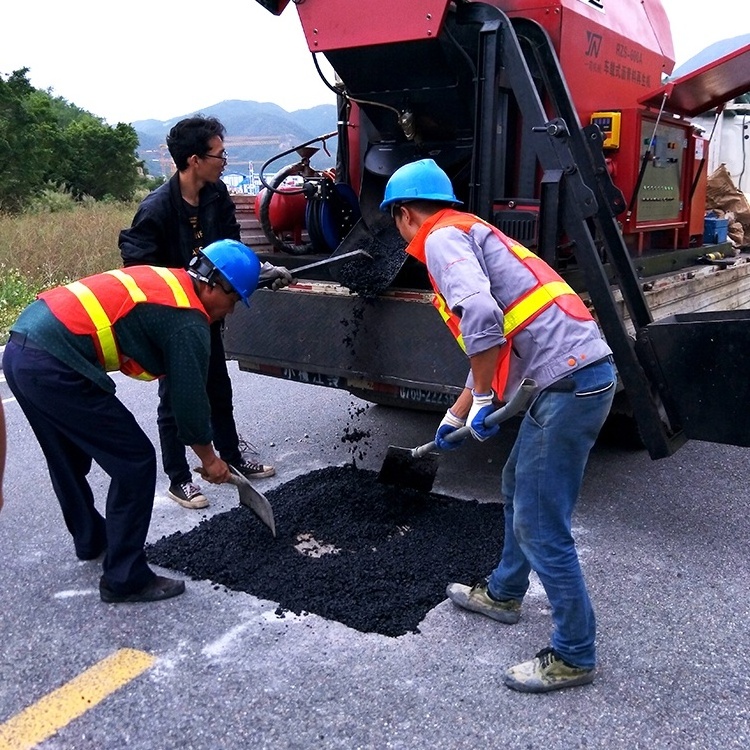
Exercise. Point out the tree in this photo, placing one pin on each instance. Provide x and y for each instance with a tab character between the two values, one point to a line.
45	139
100	160
27	140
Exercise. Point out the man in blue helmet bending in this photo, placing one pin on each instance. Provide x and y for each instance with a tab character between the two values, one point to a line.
147	322
516	318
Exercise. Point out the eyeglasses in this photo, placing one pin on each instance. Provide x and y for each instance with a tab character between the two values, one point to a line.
223	156
225	287
228	290
395	207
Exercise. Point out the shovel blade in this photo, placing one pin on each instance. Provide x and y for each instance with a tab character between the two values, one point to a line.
402	469
251	498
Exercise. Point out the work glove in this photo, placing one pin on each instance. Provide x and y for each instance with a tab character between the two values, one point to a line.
450	423
274	277
481	408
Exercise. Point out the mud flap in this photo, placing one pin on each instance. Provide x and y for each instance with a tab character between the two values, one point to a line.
700	363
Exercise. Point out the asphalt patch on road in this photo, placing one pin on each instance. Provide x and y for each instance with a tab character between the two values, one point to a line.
374	557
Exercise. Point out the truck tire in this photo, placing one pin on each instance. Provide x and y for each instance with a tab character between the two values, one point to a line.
620	429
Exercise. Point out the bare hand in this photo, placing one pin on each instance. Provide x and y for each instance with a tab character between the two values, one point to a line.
215	472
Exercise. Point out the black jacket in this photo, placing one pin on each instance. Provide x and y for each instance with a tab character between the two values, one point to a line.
161	234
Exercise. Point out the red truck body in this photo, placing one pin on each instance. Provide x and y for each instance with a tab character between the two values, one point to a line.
555	124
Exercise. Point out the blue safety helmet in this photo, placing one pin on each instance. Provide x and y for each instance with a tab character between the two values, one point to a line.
233	260
419	180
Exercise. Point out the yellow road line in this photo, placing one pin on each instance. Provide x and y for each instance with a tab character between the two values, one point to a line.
51	713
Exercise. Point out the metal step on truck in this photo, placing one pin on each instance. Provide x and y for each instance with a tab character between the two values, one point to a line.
554	123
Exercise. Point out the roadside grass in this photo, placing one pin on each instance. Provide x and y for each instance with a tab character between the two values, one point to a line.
46	248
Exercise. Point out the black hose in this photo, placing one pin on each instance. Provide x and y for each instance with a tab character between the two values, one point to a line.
265	222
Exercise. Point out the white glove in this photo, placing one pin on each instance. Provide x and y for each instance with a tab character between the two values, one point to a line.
278	276
481	408
450	423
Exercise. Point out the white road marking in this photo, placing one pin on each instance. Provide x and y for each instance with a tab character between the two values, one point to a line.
224	642
69	593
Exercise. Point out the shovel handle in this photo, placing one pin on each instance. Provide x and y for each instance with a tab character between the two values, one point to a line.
516	404
321	263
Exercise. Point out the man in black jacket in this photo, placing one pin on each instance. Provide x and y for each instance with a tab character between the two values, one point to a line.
175	221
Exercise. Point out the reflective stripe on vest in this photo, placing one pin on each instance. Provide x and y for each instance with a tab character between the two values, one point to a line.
449	318
102	325
93	305
549	290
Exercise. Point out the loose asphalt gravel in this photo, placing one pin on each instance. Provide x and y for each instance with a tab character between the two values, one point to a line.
371	556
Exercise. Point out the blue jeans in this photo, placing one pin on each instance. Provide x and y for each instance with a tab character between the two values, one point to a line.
540	486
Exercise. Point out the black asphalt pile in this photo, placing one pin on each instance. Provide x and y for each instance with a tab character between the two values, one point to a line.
348	548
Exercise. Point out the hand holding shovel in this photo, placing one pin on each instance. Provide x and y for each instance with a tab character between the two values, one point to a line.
416	467
249	496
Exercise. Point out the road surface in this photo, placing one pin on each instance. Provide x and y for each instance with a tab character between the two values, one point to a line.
664	548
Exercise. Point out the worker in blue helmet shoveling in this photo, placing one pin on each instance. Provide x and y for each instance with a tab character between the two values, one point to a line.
147	322
517	319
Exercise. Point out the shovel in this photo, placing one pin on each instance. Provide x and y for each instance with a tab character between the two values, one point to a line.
249	497
416	467
320	263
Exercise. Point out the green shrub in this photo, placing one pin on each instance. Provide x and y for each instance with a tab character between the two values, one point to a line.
15	294
51	199
50	247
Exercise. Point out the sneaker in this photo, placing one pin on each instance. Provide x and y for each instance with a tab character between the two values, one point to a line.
253	470
476	598
188	495
545	672
159	588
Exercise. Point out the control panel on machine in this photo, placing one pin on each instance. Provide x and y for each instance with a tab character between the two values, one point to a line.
609	123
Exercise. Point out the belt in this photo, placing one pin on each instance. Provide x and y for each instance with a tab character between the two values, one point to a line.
564	385
21	339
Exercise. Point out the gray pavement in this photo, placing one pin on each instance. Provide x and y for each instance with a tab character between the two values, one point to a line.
664	548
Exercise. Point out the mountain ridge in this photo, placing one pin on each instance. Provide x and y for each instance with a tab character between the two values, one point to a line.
256	131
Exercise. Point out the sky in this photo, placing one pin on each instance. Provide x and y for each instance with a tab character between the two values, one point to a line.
132	60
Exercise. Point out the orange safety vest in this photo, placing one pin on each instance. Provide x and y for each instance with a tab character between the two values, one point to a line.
94	304
550	289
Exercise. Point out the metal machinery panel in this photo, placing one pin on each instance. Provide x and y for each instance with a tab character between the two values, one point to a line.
700	362
342	340
330	24
707	87
657	178
659	197
613	53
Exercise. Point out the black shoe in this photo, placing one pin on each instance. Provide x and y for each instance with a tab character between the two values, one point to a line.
253	470
159	588
188	495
